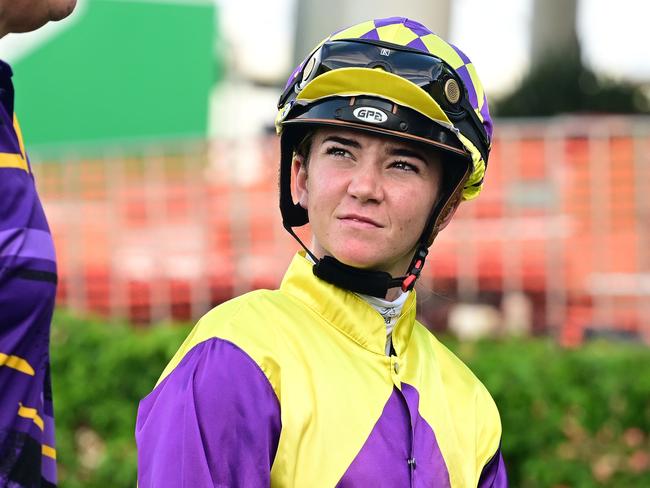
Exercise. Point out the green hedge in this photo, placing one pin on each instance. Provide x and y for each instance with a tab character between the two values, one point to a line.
99	373
571	418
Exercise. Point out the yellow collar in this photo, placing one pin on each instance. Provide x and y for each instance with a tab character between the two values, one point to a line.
346	311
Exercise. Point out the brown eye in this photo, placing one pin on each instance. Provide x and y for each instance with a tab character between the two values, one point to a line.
404	166
336	151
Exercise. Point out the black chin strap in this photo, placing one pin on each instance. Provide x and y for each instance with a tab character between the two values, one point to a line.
374	283
366	282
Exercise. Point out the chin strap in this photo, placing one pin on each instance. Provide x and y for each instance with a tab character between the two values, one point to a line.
367	282
373	283
417	263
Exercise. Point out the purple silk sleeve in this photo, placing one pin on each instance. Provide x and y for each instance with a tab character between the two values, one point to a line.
494	473
214	421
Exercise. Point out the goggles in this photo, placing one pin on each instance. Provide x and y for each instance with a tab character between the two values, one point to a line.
426	71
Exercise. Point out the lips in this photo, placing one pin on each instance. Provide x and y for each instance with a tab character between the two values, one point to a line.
360	219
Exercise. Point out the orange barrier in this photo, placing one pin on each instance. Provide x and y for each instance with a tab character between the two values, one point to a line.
168	234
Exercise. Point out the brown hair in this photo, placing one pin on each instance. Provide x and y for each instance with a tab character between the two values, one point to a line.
303	148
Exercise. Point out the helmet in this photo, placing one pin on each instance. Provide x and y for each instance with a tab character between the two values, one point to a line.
394	77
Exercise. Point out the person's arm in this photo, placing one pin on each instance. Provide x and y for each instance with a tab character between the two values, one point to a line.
494	473
214	421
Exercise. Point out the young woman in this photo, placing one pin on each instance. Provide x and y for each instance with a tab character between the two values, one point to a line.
330	380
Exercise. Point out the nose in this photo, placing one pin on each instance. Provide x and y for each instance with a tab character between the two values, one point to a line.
365	183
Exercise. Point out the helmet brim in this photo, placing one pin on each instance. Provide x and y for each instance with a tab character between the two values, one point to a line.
306	121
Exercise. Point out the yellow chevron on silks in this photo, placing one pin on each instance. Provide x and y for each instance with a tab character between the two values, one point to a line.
19	134
16	363
31	413
9	160
322	403
48	451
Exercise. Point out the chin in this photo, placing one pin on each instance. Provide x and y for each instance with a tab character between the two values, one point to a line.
362	254
358	259
373	259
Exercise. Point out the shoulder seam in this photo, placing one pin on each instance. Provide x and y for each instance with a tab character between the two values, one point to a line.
235	346
235	313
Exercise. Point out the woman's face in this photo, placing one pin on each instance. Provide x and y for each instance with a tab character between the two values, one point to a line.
368	197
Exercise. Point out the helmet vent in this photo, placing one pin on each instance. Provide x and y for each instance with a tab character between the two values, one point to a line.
452	91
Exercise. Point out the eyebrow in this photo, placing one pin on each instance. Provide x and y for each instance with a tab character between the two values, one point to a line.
407	153
392	151
343	140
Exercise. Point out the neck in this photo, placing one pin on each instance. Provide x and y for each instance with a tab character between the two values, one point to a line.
393	293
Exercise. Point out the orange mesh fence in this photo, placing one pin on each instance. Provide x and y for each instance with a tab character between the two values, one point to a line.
564	218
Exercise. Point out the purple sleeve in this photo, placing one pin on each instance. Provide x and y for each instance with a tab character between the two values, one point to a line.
213	422
494	473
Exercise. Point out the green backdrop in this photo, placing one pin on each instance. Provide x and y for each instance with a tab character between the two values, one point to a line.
124	72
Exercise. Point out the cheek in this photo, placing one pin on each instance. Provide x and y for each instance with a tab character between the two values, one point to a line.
413	214
317	205
323	197
312	198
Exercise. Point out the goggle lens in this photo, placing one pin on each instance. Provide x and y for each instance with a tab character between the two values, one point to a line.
426	71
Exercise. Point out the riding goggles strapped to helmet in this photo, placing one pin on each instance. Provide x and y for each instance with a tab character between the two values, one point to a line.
428	72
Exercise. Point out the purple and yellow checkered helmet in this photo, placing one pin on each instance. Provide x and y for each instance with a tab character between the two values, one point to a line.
391	76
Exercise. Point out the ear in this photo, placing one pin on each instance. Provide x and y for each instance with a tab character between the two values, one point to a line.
446	215
299	174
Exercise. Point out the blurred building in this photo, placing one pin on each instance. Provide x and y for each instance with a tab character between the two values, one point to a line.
554	30
315	20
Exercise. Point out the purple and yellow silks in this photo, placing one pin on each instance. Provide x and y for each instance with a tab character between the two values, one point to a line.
292	388
27	293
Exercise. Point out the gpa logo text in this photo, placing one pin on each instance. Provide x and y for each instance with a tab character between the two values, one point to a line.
370	114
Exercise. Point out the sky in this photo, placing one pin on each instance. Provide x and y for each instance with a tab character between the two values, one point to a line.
493	33
614	35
